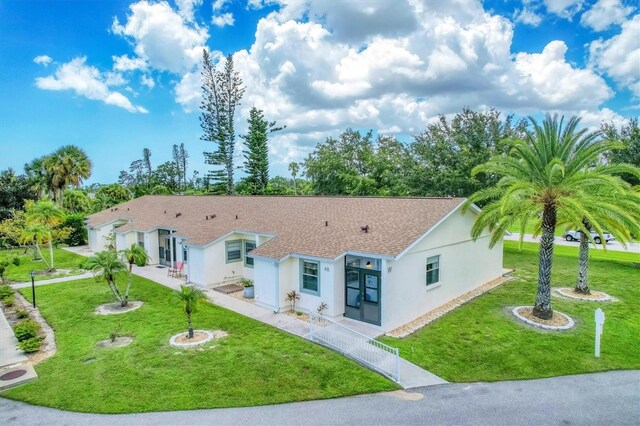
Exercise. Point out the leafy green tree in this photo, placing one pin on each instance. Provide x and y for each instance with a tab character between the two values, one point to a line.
133	255
106	265
46	214
14	191
189	297
180	157
77	201
446	153
11	229
294	168
222	92
111	195
543	178
68	166
256	154
391	166
75	223
629	136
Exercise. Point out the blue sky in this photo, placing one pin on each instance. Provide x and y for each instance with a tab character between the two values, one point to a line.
114	77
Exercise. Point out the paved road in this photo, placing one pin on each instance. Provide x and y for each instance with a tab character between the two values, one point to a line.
613	245
611	398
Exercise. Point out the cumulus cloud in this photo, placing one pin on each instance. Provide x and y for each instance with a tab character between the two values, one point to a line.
619	56
87	81
162	37
147	81
527	16
43	60
186	8
564	8
125	63
605	13
223	20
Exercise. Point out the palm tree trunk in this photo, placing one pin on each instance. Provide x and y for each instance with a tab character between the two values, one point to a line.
126	293
51	268
190	336
39	252
116	292
582	285
542	308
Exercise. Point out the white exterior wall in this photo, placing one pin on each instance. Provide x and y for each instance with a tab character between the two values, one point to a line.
266	284
97	236
124	241
196	265
464	265
151	246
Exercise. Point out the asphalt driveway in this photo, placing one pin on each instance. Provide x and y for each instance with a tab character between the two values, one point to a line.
611	398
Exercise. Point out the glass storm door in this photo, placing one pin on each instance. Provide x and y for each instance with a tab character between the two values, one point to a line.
362	298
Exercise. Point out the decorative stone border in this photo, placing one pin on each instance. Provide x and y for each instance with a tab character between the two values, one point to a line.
215	334
569	293
570	324
115	308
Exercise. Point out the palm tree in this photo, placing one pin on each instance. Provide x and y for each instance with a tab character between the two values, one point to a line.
37	234
106	265
294	168
542	178
49	215
612	206
39	175
133	255
68	166
189	297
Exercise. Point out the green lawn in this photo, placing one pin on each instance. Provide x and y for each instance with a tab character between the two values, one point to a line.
62	259
481	341
515	228
256	364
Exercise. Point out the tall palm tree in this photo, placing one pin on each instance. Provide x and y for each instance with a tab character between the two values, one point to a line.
543	177
133	255
37	234
612	206
68	166
106	265
41	178
47	214
294	168
189	297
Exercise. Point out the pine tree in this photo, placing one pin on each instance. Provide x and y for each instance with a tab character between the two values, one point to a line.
256	155
221	91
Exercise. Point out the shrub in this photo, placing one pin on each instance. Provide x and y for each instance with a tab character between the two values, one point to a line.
5	290
247	283
20	314
8	300
16	261
77	230
31	345
26	330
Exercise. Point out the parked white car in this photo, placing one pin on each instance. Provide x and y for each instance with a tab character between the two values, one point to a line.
574	235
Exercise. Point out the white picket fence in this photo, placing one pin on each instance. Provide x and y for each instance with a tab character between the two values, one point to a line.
376	355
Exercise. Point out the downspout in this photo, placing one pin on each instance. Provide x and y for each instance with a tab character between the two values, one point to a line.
277	265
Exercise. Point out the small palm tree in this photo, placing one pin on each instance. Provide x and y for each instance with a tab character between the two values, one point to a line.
46	214
133	255
189	297
543	178
37	234
106	265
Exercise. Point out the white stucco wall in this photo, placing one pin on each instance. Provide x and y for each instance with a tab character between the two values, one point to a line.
464	265
151	246
267	275
97	236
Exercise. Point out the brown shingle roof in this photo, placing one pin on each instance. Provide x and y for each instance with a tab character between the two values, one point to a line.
297	222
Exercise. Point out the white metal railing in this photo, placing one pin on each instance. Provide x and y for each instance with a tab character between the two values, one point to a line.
376	355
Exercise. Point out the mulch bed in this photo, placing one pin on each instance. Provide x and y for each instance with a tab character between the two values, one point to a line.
556	320
198	336
119	342
595	296
115	308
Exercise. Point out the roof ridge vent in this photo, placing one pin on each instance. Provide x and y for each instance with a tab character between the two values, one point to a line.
365	229
178	214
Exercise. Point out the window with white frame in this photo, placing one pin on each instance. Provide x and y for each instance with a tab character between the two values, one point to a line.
433	270
234	251
309	277
248	246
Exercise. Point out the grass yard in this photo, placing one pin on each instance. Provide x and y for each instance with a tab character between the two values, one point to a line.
62	260
481	341
256	364
515	228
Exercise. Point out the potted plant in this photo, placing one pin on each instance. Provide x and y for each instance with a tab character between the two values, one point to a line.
248	288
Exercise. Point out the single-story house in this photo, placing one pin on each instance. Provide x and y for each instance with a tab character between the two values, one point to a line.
384	261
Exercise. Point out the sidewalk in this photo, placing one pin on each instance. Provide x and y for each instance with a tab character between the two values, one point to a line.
53	281
15	367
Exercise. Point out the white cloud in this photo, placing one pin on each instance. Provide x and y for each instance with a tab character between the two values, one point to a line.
564	8
619	56
593	119
162	37
86	81
223	20
605	13
147	81
125	63
527	16
219	4
43	60
186	8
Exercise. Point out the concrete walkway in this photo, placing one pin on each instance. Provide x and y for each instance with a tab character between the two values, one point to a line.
411	375
610	398
53	280
12	359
